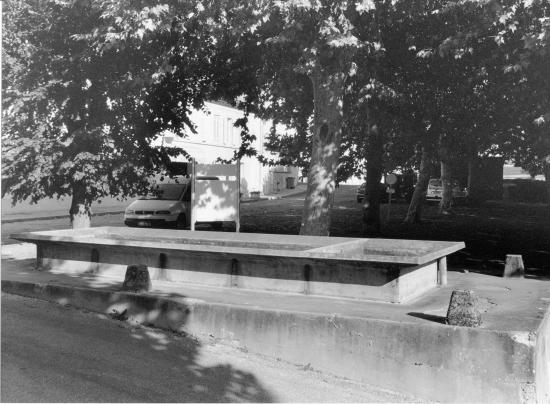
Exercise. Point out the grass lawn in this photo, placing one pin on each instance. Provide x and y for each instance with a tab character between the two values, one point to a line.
490	231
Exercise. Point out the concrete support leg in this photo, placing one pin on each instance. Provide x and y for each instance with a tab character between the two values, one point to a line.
514	267
39	257
307	277
234	273
442	271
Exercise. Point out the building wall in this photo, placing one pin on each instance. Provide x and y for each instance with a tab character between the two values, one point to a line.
217	137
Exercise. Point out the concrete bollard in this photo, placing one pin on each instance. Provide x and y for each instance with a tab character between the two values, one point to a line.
442	271
514	267
137	278
464	309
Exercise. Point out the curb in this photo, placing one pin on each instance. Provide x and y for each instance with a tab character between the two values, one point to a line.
30	219
418	360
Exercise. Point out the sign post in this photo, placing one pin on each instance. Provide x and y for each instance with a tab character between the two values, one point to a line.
193	168
238	221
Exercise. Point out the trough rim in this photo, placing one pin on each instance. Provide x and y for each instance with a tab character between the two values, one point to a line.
439	250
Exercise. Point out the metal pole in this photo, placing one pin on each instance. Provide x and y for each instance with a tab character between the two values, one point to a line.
192	194
389	203
238	223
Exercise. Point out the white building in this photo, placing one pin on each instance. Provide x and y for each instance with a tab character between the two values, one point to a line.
217	137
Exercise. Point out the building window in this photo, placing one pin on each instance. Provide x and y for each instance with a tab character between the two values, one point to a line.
217	129
230	132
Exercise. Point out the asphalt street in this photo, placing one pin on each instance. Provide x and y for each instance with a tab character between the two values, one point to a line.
54	353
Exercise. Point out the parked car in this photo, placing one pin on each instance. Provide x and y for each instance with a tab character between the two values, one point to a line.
435	190
166	205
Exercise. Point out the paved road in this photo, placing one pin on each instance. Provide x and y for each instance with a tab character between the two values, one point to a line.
53	353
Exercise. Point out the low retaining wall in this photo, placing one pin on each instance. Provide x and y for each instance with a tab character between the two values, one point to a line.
432	361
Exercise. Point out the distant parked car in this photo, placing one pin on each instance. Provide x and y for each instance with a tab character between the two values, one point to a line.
435	191
404	189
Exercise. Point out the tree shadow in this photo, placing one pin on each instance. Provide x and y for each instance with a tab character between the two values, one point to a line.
189	378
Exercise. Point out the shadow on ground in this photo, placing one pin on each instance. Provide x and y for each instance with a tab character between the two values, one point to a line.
217	383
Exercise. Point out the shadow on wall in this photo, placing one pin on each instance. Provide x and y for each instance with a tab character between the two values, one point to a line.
187	378
245	192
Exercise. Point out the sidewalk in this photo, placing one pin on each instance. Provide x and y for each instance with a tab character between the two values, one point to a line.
403	347
113	208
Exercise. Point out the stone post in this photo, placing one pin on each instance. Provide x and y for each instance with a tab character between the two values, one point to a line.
464	309
514	267
137	279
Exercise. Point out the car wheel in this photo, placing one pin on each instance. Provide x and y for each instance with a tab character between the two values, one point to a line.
181	222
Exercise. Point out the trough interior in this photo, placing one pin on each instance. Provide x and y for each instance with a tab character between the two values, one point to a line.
217	243
363	250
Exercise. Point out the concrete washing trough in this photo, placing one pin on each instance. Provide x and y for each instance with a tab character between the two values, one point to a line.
385	270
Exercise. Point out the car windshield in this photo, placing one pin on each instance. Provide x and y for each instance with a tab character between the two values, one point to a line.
166	192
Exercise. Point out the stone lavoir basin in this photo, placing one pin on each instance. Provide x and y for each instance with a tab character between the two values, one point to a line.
386	270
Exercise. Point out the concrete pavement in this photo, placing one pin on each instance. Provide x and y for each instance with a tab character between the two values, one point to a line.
404	348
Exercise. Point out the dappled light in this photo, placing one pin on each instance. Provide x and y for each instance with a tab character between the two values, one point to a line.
212	382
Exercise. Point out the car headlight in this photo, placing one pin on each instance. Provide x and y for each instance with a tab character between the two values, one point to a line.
130	212
162	212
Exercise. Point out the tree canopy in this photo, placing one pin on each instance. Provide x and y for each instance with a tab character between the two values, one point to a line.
89	84
84	96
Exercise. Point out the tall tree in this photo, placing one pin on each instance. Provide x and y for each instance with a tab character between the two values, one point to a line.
307	50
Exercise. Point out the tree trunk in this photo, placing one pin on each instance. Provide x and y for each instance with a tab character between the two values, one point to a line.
414	213
375	153
80	212
328	90
371	214
471	169
546	167
445	206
